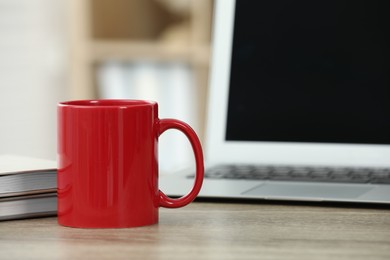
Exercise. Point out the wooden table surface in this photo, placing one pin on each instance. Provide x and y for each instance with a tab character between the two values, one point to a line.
205	230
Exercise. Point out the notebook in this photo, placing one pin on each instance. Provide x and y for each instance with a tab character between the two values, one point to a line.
299	103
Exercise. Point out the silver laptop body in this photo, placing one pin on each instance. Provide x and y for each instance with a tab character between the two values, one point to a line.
302	156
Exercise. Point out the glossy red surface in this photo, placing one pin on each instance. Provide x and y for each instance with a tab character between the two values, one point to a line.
108	165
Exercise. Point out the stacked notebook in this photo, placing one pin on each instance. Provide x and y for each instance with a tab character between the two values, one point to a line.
28	187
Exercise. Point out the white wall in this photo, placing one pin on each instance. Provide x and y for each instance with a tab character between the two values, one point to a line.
32	75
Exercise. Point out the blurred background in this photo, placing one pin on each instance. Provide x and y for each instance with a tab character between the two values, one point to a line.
56	50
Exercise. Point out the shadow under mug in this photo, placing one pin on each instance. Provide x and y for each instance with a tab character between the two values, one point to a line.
108	165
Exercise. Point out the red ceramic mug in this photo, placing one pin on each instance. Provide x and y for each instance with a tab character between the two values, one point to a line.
108	167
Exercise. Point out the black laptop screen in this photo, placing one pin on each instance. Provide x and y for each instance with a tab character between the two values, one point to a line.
310	71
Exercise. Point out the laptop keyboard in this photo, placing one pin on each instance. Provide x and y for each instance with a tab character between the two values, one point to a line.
309	174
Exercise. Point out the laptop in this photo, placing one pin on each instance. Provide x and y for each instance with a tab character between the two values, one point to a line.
299	103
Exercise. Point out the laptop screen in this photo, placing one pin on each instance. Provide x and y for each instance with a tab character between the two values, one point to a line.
310	71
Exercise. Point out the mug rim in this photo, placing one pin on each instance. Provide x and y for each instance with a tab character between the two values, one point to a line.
107	103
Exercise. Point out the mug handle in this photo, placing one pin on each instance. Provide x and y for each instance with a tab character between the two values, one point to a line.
165	201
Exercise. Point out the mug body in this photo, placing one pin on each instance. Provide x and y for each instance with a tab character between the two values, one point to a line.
107	163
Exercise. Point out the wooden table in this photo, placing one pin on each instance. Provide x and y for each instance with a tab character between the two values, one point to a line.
205	230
